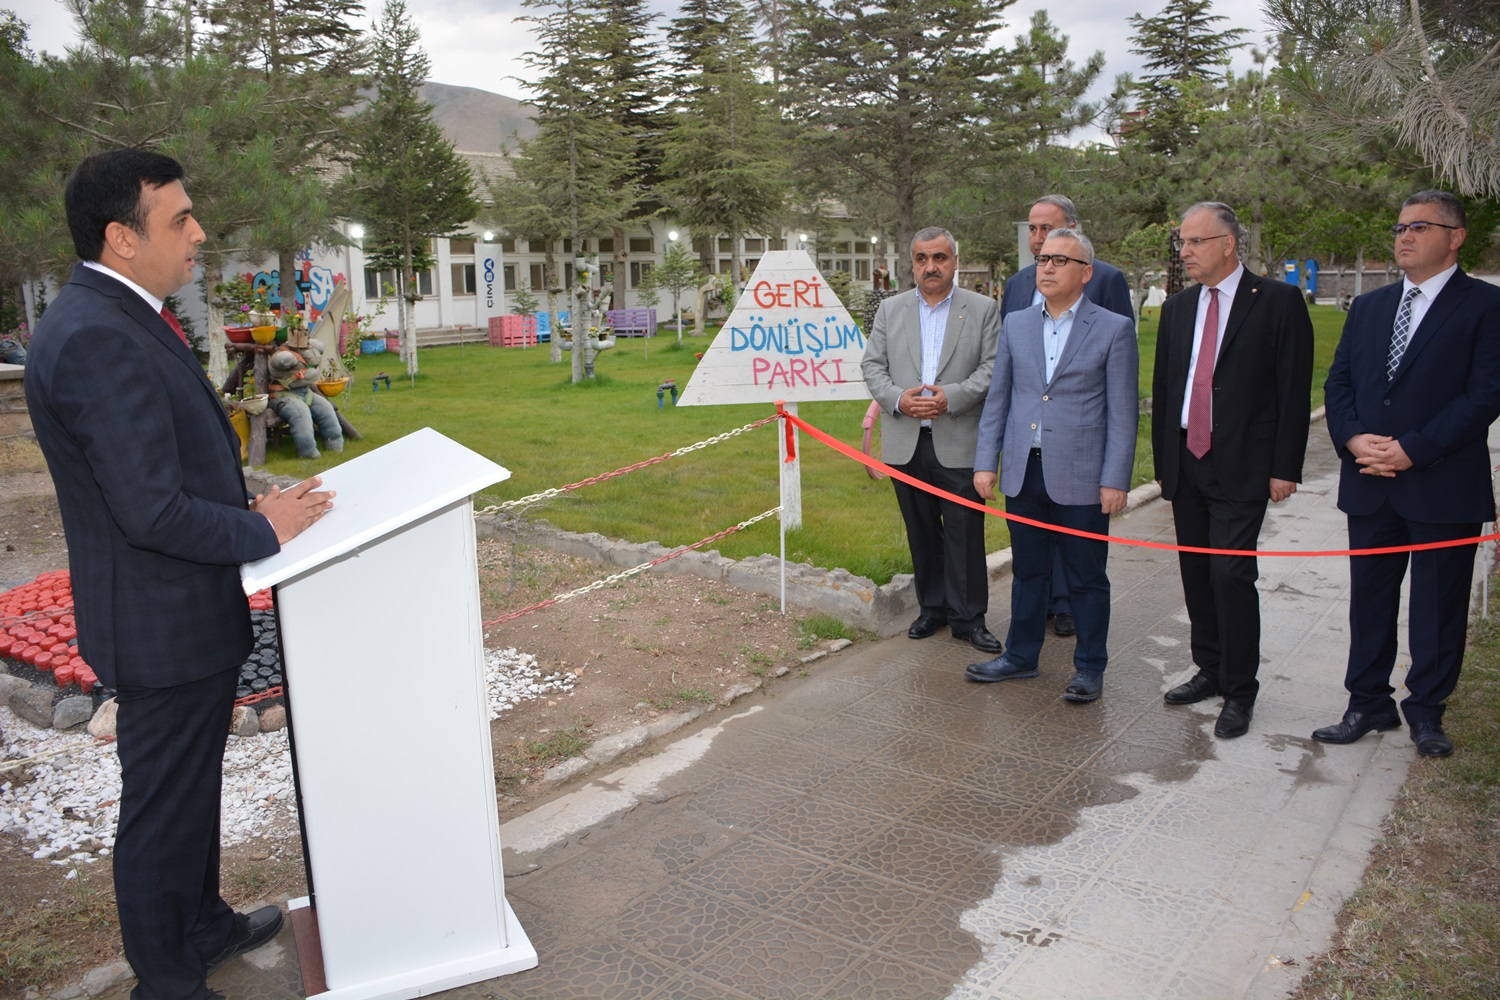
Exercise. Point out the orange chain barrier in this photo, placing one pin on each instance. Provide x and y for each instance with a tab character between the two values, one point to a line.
876	464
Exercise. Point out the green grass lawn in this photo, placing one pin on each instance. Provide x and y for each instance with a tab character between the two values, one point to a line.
514	406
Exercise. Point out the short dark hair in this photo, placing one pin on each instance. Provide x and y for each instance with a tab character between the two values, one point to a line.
1062	201
1448	206
106	187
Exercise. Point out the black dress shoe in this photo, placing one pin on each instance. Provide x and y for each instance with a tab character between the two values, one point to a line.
1200	687
1234	719
1356	724
1430	739
1086	685
981	639
998	669
924	626
251	930
1064	625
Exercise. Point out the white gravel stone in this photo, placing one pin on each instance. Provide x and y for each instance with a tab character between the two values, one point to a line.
66	808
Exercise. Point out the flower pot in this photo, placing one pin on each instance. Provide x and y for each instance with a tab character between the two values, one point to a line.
262	334
237	334
372	345
331	387
255	405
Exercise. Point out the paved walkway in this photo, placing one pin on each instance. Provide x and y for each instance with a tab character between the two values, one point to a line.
886	829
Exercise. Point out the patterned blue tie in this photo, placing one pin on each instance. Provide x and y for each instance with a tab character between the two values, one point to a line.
1401	335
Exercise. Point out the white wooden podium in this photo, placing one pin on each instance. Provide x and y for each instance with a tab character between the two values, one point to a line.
384	663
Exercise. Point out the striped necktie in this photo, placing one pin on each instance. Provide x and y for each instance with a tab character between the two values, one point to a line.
1401	335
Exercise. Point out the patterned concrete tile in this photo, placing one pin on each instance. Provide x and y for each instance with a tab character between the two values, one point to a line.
923	753
911	712
850	737
756	872
772	958
882	977
872	787
919	857
739	801
822	828
1094	973
690	987
1134	919
791	763
963	811
601	969
680	923
1028	899
935	939
1071	745
854	905
1014	775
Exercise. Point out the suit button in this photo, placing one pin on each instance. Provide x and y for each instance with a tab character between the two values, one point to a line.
1046	398
1387	402
1033	426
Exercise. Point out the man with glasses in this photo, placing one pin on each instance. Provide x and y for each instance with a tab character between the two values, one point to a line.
1414	387
1229	416
1060	419
927	364
1107	288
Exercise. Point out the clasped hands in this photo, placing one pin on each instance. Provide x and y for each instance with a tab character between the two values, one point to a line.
923	402
1380	456
293	510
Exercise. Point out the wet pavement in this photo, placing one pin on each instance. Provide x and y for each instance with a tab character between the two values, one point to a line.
884	828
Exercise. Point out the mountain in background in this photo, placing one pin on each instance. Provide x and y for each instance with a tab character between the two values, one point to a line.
477	121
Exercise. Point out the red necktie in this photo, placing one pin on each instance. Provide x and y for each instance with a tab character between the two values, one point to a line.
1200	406
166	314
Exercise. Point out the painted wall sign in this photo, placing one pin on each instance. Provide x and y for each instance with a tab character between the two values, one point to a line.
489	277
788	337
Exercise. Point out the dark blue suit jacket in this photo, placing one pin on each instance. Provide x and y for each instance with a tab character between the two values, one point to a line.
1439	406
1107	288
149	484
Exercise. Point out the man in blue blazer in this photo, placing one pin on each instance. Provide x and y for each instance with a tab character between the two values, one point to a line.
927	364
1414	387
156	516
1060	419
1107	288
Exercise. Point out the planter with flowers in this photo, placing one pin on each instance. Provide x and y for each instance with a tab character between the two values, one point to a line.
247	314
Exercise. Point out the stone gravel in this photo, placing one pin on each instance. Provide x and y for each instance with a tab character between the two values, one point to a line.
65	808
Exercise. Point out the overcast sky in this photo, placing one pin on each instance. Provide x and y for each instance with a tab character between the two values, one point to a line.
478	43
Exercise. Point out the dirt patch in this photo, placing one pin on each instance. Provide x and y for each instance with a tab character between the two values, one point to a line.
638	649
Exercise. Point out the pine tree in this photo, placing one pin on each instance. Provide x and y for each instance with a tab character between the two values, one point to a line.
1185	58
723	172
894	96
406	182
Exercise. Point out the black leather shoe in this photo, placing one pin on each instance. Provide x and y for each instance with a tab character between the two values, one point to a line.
1086	685
924	626
1063	626
981	639
1430	739
1200	687
998	669
251	930
1356	724
1234	719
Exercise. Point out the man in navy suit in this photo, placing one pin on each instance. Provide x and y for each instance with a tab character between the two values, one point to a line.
1229	414
156	516
1107	288
1060	417
1414	387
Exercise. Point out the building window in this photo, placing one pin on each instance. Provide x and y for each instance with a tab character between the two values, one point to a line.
538	278
510	277
726	245
756	245
606	274
841	265
750	265
376	282
700	245
862	270
463	279
638	271
506	244
462	246
725	265
777	245
825	266
567	244
642	244
606	244
843	246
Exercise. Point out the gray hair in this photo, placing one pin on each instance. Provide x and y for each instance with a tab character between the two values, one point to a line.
1084	243
1448	205
1062	201
1227	218
932	233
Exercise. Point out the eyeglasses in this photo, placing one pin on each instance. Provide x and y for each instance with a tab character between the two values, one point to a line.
1418	227
1058	260
1198	241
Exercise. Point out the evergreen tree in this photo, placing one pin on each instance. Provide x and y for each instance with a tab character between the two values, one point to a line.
894	96
1044	89
1422	75
1185	57
406	182
722	172
677	272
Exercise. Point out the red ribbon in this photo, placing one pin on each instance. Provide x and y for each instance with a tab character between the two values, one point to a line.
876	464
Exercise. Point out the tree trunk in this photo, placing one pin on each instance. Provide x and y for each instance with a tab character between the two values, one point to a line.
549	272
286	281
408	319
218	355
1359	272
621	260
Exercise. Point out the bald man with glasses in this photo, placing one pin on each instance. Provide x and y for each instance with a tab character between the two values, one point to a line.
1230	408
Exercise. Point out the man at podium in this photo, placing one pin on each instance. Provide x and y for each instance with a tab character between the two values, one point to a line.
157	520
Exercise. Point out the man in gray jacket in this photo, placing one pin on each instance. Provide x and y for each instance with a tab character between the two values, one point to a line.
1062	411
927	364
